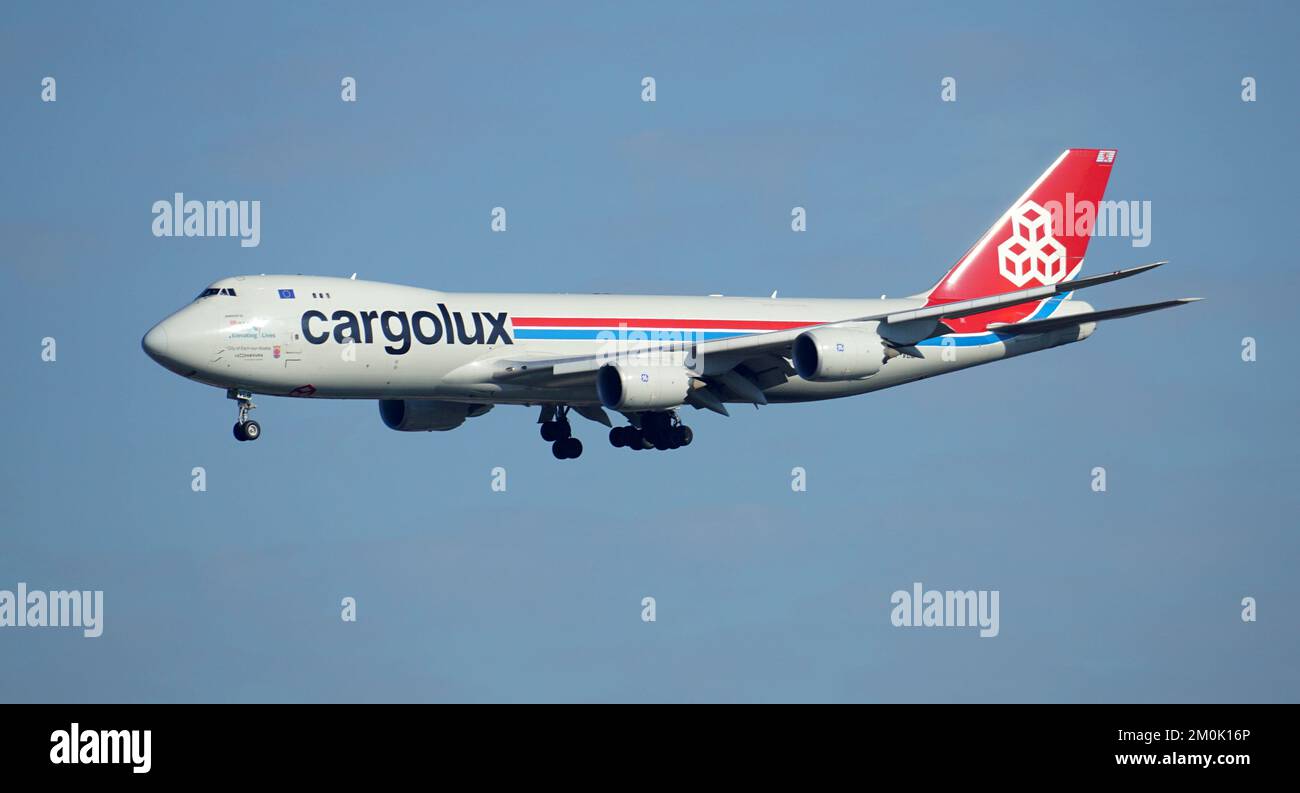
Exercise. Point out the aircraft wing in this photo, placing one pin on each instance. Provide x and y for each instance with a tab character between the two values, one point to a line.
731	351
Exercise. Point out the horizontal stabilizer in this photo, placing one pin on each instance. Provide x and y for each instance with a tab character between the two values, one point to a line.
1053	323
980	305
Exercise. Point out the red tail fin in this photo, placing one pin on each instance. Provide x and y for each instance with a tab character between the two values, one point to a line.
1039	240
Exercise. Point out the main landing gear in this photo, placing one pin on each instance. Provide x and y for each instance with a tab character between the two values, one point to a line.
661	430
245	428
657	431
560	435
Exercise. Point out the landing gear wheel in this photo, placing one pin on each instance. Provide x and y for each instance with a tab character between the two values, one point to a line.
239	431
252	430
618	437
567	449
658	430
556	430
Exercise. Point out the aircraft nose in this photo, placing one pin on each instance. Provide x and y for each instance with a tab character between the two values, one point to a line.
155	342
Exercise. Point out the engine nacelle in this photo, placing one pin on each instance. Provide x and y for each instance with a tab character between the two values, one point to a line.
829	354
626	386
426	415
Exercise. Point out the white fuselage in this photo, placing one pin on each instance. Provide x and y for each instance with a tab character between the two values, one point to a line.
289	336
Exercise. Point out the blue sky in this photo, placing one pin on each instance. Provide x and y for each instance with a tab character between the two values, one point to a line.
978	480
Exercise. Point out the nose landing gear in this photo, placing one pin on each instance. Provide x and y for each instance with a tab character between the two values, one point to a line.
245	428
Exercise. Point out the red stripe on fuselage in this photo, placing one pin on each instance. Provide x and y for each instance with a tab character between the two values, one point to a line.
692	324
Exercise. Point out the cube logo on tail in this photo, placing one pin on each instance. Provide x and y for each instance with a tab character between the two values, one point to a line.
1038	241
1031	253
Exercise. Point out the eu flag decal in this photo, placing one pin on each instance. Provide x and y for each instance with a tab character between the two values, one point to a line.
286	294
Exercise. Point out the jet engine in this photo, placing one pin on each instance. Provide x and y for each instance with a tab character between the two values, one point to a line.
628	387
829	354
426	415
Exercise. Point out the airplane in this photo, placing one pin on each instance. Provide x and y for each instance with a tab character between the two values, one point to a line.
434	360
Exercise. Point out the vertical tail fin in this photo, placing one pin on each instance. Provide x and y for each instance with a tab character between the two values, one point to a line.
1041	238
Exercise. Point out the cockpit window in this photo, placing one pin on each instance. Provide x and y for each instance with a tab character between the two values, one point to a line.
210	291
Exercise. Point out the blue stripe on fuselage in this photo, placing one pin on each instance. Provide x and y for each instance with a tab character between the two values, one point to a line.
623	334
993	337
